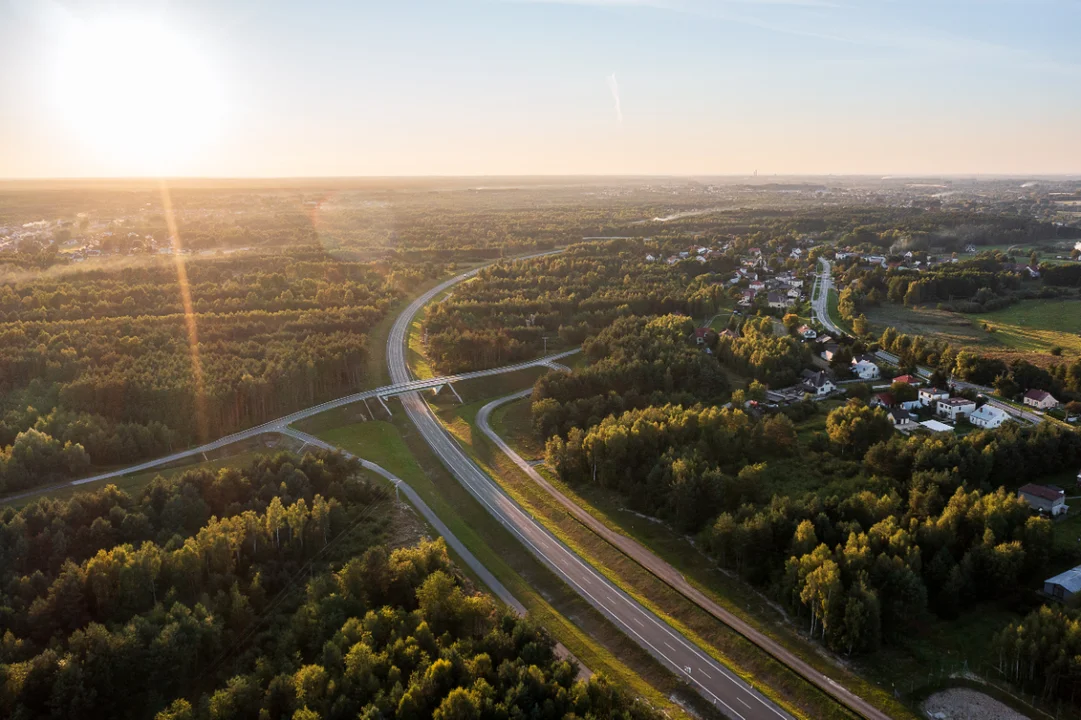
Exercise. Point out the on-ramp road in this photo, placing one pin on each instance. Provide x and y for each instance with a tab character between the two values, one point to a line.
728	693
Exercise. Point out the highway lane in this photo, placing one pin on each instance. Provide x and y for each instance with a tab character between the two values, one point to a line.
277	425
820	297
717	684
668	574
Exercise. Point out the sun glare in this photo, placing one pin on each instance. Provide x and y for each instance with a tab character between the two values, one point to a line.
138	94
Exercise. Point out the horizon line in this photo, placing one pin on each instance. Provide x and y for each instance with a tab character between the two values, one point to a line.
468	176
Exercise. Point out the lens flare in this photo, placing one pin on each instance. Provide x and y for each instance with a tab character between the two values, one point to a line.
201	419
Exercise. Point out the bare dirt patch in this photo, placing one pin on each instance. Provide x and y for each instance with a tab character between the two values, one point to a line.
967	704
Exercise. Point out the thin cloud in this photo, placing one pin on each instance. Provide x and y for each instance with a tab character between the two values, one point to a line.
613	86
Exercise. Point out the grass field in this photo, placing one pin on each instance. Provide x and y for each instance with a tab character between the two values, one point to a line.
1036	325
1023	329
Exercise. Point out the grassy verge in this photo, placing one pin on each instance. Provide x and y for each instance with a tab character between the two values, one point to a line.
585	632
731	593
835	313
769	676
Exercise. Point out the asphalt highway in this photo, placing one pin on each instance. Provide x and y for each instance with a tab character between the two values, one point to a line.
728	693
820	297
668	574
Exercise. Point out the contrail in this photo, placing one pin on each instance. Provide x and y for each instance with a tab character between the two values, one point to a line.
613	85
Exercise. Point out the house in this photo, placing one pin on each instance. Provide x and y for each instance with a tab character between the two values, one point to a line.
1033	271
907	379
778	301
794	293
988	416
865	369
883	400
1040	399
806	332
757	285
700	335
936	427
829	350
929	396
1044	499
955	407
900	417
650	258
700	258
1064	585
748	298
818	383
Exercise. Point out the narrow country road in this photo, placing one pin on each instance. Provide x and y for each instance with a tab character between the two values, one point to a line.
716	683
668	574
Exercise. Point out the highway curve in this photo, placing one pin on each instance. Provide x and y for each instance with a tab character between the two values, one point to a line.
730	694
674	579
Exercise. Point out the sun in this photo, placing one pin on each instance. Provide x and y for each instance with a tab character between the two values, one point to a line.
137	94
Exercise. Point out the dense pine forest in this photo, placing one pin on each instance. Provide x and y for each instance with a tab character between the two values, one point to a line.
101	367
261	592
504	314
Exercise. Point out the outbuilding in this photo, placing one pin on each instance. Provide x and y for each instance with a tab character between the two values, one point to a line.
1044	498
1064	585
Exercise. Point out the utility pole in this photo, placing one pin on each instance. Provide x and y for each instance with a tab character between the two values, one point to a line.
545	339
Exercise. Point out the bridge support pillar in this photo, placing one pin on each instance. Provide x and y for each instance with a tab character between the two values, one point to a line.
369	409
451	386
384	404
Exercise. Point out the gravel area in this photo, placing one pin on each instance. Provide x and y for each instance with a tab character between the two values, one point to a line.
966	704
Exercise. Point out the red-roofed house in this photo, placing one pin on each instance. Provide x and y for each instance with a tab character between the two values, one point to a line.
883	399
907	379
1040	399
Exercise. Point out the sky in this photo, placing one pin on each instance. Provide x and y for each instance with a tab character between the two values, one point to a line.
268	88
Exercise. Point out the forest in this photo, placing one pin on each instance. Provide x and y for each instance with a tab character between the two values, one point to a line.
634	363
886	531
504	314
101	367
265	591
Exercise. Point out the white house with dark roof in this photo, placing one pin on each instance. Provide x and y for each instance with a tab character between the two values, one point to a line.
901	418
865	369
955	407
1040	399
818	383
1044	498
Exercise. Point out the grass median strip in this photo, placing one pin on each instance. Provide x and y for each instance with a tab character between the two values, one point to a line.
585	632
652	592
